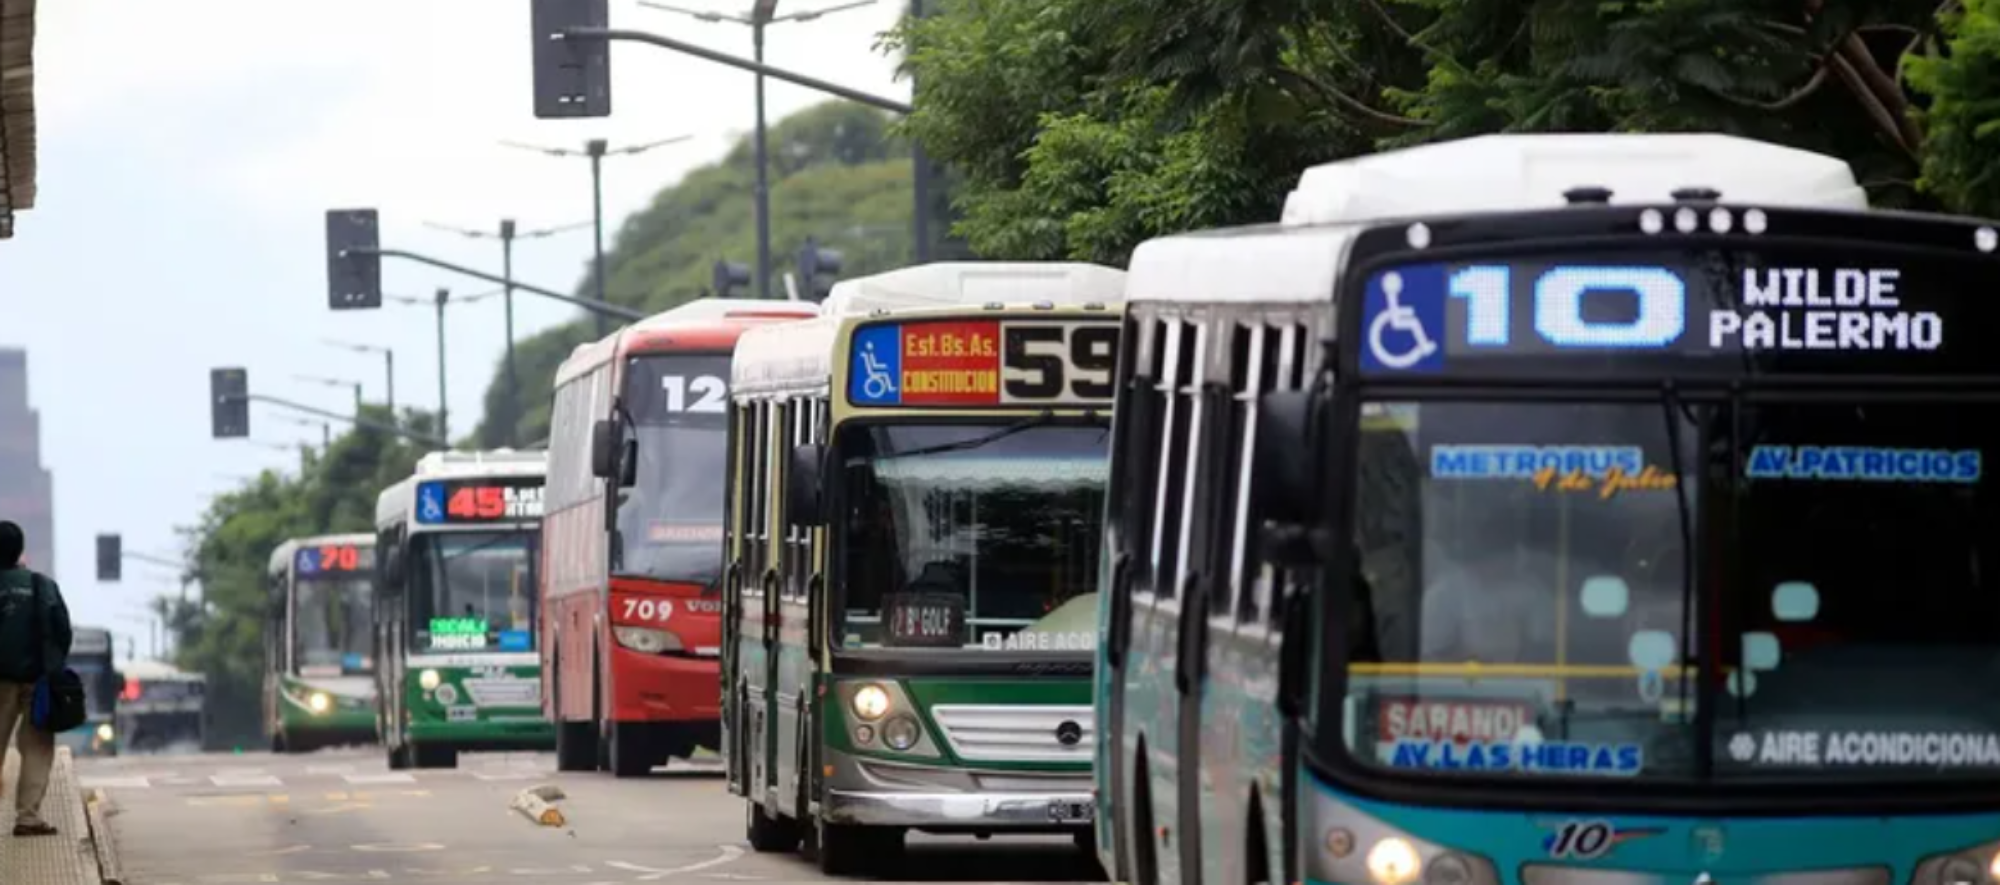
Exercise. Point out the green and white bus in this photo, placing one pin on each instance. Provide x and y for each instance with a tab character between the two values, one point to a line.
460	542
319	653
917	491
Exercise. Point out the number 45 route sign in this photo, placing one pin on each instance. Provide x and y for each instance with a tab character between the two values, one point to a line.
447	502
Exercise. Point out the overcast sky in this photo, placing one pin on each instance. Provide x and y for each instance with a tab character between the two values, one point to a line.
188	153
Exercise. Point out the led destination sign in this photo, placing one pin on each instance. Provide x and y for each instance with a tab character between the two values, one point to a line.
458	501
333	559
1783	309
983	363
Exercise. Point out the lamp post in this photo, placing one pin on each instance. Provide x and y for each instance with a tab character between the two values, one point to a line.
438	302
389	366
597	149
507	235
763	13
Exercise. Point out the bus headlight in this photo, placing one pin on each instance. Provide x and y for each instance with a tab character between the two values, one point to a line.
870	702
104	732
319	702
1393	861
646	640
899	733
428	679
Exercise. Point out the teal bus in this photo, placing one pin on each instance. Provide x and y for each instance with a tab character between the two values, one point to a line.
319	655
460	541
91	657
1557	510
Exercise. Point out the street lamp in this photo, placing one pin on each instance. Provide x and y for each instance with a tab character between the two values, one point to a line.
507	235
335	382
597	149
762	14
389	366
325	429
439	302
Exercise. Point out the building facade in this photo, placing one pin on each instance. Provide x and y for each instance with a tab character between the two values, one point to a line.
27	493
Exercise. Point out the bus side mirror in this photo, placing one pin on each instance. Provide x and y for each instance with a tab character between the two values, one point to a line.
604	449
392	571
628	464
802	486
1285	484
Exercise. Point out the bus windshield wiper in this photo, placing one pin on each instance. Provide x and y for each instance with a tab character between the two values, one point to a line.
1048	416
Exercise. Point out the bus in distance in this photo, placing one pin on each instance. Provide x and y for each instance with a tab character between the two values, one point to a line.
91	657
916	495
460	541
630	581
162	710
1616	517
319	653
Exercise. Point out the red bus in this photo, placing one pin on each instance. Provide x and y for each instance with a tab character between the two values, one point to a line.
631	584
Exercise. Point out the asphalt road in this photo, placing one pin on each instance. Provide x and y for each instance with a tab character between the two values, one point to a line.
342	816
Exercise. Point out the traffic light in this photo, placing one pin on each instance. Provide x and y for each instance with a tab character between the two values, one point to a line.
817	269
110	557
353	259
229	403
728	277
572	77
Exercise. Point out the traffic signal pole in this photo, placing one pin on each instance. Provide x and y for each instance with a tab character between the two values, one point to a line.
355	420
722	58
607	309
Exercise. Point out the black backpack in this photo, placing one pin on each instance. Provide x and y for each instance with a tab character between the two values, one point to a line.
58	705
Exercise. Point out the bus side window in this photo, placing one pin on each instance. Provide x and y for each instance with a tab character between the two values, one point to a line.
1179	442
793	585
1134	443
757	459
1255	369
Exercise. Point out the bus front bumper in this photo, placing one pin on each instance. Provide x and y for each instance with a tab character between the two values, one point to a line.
962	812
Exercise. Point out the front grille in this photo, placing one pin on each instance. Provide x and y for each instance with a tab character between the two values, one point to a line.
504	692
1016	732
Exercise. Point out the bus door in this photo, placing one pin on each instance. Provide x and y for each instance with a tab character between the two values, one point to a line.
770	417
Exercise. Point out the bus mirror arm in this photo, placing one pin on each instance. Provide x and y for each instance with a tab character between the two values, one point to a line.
1292	655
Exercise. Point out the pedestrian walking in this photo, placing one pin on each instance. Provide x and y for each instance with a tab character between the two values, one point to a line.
34	642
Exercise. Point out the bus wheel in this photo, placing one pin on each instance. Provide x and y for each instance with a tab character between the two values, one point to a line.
576	746
278	742
1086	845
630	752
847	850
767	833
399	758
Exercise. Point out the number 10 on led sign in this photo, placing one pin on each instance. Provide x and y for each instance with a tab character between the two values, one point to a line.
1487	290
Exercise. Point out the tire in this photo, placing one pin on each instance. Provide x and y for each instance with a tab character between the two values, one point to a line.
399	760
432	757
768	834
1086	845
576	746
847	850
278	742
631	755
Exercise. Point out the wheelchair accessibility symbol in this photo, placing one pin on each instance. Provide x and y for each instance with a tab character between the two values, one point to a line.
875	366
876	383
1404	315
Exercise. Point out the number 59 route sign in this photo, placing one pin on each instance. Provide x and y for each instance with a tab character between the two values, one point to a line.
983	363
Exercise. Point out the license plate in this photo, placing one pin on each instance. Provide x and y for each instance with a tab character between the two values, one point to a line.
1071	812
461	714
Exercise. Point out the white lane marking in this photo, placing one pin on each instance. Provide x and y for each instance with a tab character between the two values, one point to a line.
114	783
729	853
506	775
246	780
394	777
329	769
397	848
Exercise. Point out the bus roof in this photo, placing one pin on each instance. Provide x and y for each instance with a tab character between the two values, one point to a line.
702	324
1299	259
399	500
1511	173
798	356
281	556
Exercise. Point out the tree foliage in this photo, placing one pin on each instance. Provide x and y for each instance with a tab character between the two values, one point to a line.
837	175
230	547
1085	126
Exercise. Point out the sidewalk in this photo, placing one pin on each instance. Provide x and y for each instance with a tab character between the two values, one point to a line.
68	858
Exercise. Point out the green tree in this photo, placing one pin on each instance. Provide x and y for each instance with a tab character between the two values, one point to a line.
230	546
837	175
1085	126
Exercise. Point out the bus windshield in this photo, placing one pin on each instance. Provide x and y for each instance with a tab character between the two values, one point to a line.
670	521
1523	612
971	535
333	626
473	591
1520	609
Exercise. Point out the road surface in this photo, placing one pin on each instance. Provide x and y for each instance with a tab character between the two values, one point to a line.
342	816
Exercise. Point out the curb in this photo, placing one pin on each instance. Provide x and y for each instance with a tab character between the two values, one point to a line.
535	804
97	809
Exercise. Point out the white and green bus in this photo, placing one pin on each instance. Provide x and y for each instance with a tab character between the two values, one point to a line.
319	688
460	543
